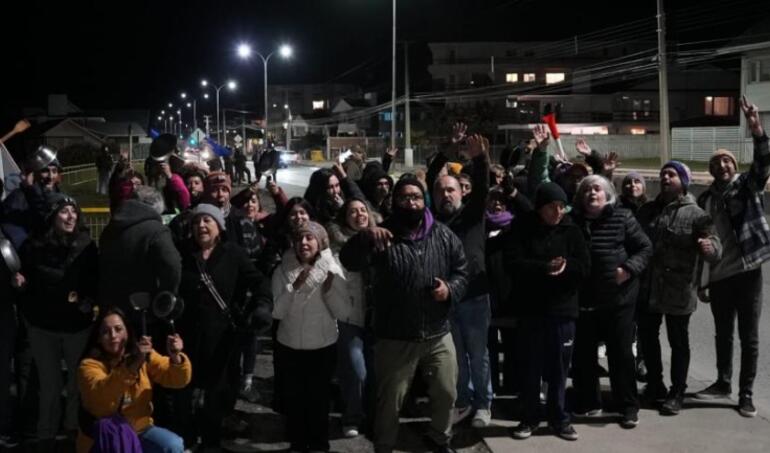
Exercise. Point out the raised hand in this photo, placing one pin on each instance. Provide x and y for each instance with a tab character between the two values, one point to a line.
751	112
477	145
458	132
541	135
611	162
582	147
391	152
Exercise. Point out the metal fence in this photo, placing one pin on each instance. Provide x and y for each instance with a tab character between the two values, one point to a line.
78	174
698	143
96	219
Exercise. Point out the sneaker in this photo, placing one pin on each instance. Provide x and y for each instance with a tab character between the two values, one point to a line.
248	391
350	432
716	390
460	413
589	413
673	403
8	441
566	432
630	420
746	407
523	430
482	418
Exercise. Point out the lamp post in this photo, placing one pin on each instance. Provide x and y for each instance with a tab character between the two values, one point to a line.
194	105
244	52
231	85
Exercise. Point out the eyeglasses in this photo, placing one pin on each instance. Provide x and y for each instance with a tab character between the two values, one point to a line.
411	197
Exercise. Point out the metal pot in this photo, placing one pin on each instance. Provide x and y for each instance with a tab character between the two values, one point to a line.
43	156
167	307
11	258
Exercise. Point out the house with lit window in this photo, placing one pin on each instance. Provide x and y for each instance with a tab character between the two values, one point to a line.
593	87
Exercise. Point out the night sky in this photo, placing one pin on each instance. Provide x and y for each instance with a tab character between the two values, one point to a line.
141	54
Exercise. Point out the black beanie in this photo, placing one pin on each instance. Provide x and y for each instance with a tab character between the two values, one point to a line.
408	181
548	192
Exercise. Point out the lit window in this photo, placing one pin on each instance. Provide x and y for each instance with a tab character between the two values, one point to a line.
759	71
386	116
529	77
318	105
719	106
638	131
512	77
554	77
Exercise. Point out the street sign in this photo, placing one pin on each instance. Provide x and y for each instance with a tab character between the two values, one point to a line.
238	138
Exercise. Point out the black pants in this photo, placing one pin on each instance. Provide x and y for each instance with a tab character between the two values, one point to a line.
546	358
7	349
307	378
739	295
615	326
677	327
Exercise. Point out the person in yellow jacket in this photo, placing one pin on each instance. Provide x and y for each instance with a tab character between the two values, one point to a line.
116	377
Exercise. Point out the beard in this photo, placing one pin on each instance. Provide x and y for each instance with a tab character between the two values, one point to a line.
409	219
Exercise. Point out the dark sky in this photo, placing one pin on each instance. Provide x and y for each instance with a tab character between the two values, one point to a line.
140	54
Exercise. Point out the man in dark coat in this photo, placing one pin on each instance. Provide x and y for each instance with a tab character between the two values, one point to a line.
471	316
136	252
419	273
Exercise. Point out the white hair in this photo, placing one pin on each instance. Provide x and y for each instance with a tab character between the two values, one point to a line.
601	181
149	196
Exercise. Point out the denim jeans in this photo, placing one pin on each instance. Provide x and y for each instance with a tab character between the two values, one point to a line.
159	440
353	371
470	327
737	296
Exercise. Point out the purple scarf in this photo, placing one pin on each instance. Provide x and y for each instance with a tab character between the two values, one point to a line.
427	225
498	220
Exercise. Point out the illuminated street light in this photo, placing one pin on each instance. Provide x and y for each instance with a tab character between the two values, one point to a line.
244	51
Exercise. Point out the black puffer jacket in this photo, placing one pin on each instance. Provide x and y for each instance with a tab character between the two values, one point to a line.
54	268
403	280
137	255
616	240
528	248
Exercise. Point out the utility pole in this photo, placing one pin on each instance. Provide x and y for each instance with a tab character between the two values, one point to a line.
206	120
243	134
665	139
393	82
224	127
408	151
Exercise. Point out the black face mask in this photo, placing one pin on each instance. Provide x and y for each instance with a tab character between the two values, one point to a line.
408	218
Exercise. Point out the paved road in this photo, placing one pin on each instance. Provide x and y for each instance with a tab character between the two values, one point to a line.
701	428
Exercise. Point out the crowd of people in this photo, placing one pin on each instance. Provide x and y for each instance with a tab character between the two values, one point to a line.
390	288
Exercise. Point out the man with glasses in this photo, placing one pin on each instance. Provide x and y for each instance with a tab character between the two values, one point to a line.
419	272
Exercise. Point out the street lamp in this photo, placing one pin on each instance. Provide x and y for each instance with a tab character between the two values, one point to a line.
244	52
231	85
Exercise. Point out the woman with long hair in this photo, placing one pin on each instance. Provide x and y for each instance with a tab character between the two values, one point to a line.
116	377
58	279
354	346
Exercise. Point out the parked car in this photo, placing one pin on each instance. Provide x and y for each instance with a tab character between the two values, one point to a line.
286	158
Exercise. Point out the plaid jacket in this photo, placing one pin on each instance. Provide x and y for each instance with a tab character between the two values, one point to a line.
744	202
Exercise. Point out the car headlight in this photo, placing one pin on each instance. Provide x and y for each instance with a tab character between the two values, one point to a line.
283	157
